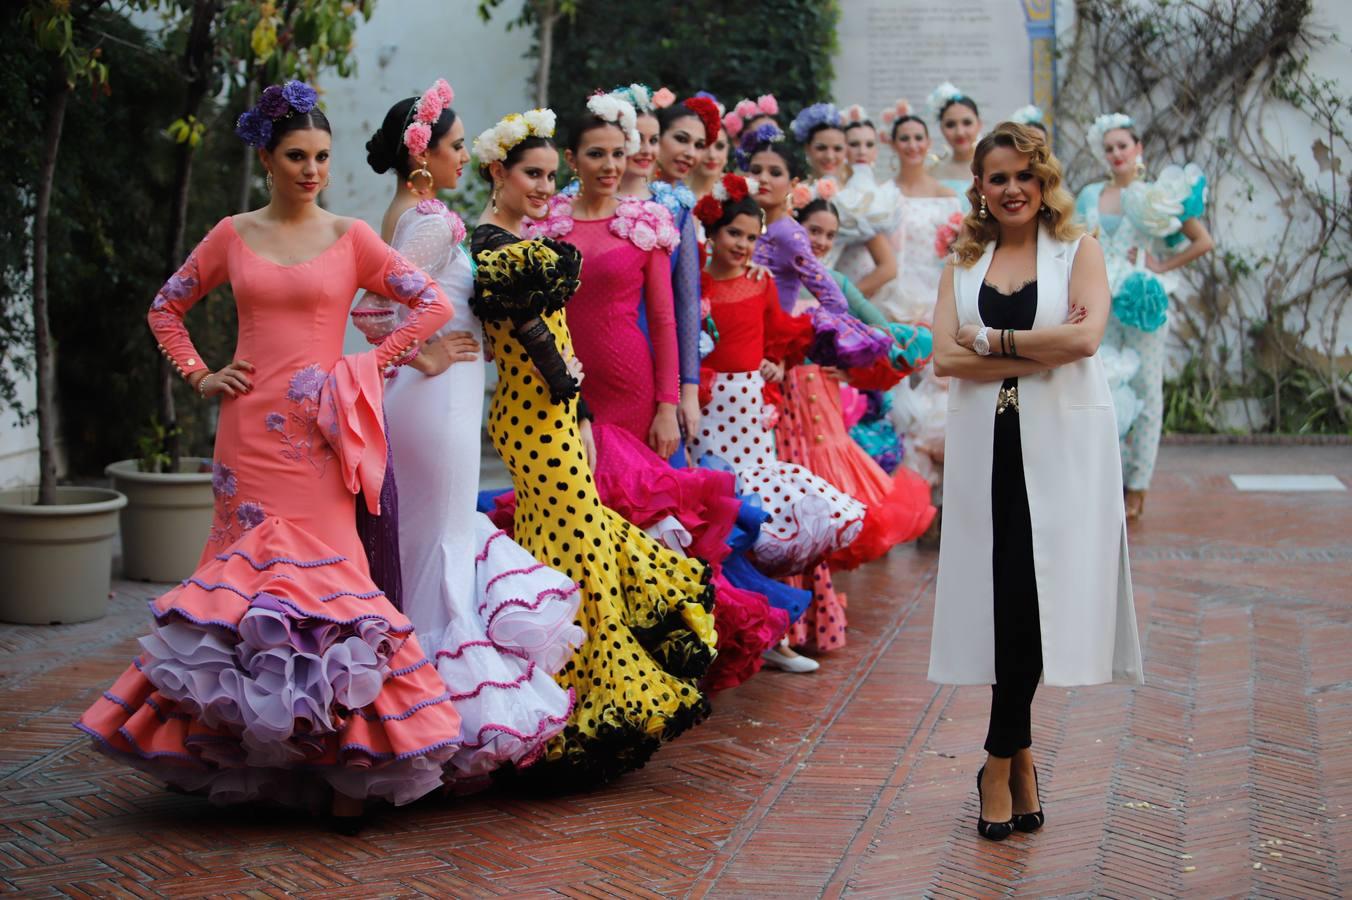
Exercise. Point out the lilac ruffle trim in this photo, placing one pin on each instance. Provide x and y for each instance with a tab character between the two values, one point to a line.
280	683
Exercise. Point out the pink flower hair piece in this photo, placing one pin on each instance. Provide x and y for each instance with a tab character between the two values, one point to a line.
855	113
424	113
900	109
417	138
827	188
800	196
732	124
767	104
662	98
746	109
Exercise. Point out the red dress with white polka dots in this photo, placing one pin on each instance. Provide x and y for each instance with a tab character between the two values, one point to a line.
809	517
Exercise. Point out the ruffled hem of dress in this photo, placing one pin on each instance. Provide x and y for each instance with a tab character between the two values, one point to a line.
815	518
747	627
280	654
900	516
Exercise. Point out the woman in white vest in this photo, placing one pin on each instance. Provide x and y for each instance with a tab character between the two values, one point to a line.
1034	581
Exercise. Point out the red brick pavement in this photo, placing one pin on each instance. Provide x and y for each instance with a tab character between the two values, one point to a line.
1230	774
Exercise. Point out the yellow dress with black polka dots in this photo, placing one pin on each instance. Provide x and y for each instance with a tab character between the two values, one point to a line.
645	610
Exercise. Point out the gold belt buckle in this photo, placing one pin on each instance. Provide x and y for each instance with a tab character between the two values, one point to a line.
1009	397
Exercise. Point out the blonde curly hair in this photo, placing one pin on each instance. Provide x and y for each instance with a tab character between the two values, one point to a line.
1059	215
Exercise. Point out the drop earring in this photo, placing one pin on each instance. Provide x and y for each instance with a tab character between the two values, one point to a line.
267	181
494	199
982	212
1140	168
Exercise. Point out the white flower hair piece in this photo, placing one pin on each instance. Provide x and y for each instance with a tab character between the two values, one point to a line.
1106	123
720	191
943	95
855	113
610	108
495	143
1027	115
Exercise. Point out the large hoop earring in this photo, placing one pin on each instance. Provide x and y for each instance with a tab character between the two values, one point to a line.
267	181
982	212
423	173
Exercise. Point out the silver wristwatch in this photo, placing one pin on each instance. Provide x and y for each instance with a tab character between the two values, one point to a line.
981	344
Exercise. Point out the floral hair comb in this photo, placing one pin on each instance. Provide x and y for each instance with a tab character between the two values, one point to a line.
423	114
728	189
746	110
495	143
277	102
816	115
899	110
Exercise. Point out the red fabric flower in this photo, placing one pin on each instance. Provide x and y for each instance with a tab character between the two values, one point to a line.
735	185
707	110
708	210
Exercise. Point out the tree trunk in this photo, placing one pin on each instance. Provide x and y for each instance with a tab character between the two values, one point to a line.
548	18
247	159
197	71
57	96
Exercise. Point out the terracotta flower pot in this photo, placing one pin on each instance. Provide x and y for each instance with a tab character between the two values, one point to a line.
57	559
167	518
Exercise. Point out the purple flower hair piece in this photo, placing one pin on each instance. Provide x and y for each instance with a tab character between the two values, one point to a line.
761	135
254	128
816	115
273	102
300	95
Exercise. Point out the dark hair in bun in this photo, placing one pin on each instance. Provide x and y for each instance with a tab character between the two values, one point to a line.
385	150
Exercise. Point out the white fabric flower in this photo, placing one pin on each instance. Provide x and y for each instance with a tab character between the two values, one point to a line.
609	108
541	122
1027	115
940	97
1104	124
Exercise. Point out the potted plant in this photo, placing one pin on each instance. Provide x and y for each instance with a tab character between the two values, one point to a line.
167	519
56	542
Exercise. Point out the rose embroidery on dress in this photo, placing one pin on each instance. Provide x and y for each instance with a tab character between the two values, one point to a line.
299	427
231	521
180	286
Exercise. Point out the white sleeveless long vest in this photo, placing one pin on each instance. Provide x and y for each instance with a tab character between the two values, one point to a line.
1074	477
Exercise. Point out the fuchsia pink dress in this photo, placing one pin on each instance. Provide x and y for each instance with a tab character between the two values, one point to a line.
624	256
279	670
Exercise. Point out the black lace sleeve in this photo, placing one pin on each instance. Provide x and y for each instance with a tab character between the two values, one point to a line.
521	281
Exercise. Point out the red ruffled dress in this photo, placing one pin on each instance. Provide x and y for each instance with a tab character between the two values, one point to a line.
278	670
811	432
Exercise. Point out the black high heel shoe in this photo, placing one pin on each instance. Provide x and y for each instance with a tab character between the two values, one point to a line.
1030	822
992	831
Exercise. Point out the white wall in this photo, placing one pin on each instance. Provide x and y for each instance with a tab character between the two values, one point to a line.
19	444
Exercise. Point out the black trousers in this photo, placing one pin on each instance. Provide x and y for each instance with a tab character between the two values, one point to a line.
1018	633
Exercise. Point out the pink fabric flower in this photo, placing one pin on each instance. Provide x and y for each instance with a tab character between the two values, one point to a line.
557	223
417	137
434	207
732	124
663	98
746	109
800	196
767	104
826	188
646	224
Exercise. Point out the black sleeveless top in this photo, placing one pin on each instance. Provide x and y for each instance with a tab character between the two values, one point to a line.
1000	311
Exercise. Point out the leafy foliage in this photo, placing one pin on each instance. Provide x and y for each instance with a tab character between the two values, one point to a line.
731	50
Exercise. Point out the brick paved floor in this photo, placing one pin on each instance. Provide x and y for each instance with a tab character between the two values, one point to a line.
1230	774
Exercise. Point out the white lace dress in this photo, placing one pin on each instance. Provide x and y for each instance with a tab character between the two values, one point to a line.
496	623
